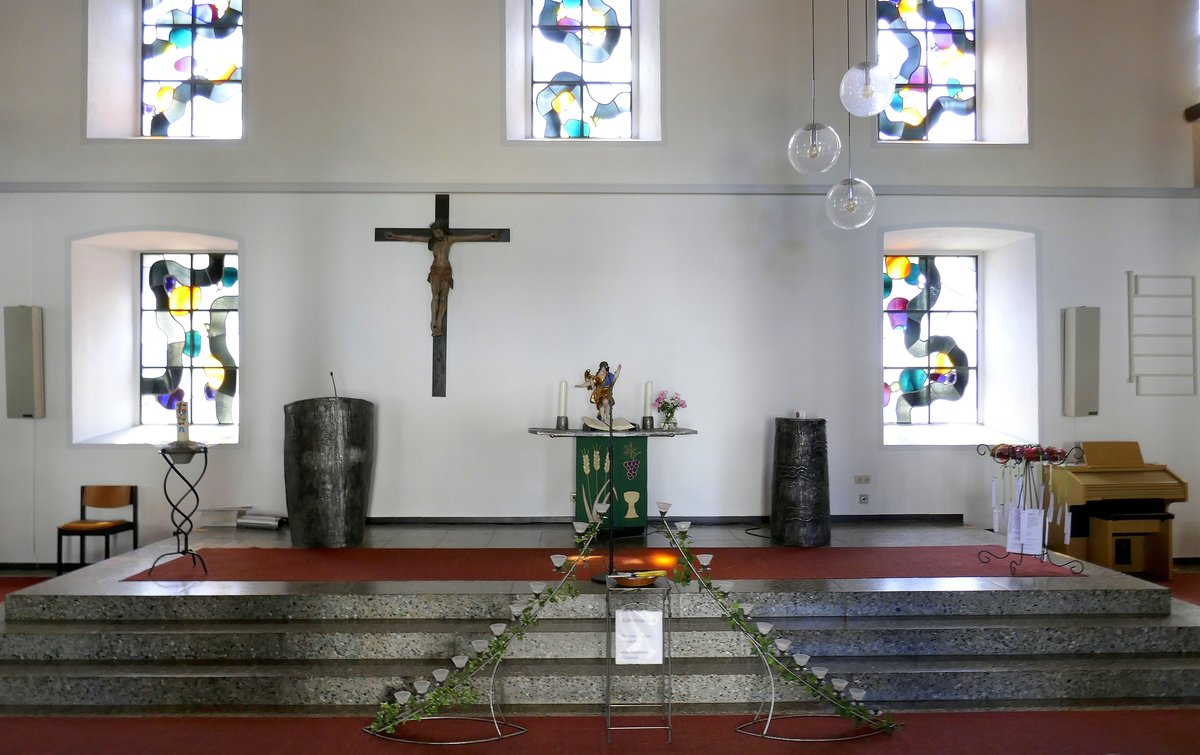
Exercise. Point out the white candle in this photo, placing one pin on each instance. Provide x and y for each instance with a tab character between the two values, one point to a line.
649	408
562	398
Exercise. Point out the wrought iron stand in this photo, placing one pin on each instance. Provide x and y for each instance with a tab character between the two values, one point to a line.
177	454
1025	457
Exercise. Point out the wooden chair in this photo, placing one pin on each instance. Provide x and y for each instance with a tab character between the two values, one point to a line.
100	497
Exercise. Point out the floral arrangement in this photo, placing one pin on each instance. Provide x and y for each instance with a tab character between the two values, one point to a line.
668	404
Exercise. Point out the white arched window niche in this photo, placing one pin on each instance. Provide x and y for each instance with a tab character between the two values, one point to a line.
1007	367
105	311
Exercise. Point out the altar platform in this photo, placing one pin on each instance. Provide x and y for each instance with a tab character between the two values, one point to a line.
90	640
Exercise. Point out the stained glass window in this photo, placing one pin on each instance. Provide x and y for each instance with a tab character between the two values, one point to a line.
189	337
192	68
930	343
931	46
582	69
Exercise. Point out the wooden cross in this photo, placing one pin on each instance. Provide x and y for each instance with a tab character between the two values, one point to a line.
439	237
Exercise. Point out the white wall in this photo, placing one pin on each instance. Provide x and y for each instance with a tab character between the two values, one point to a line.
371	94
715	281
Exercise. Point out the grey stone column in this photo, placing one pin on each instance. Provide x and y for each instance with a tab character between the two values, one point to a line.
328	465
800	485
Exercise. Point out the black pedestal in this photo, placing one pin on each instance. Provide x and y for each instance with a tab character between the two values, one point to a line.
328	465
800	486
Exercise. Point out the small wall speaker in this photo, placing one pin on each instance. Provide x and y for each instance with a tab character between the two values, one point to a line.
1081	361
23	367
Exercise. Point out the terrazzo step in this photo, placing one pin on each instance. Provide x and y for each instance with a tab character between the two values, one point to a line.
381	639
549	684
224	601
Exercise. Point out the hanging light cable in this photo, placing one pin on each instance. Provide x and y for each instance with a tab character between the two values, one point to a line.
867	87
815	147
850	203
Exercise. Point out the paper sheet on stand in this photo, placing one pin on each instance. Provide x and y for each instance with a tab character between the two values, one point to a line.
1032	526
995	507
638	637
1013	538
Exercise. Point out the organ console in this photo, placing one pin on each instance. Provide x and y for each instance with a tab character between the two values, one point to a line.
1116	509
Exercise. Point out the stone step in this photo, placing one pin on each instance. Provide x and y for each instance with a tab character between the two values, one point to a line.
548	684
227	601
254	641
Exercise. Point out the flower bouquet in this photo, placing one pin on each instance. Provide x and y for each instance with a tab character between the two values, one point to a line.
668	404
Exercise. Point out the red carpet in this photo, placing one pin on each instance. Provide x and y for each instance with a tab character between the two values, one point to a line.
1091	732
1185	586
397	564
12	584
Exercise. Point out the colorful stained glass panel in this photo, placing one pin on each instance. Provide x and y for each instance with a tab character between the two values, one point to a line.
192	68
930	44
189	337
582	69
930	338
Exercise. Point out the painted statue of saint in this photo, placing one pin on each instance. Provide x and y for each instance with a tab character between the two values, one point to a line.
601	385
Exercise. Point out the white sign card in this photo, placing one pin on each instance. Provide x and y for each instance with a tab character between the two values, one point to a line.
638	637
1013	539
995	507
1032	524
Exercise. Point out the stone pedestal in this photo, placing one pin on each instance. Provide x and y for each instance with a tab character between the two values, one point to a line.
328	464
800	485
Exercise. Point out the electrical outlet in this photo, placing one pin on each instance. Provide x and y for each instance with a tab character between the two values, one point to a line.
862	479
572	496
864	499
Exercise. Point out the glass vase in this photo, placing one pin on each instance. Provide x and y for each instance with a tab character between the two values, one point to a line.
669	423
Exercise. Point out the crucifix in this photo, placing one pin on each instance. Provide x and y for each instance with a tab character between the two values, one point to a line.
439	237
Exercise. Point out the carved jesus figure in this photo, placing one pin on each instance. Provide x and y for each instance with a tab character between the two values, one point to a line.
441	276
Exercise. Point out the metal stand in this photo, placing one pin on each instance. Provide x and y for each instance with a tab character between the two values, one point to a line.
177	454
1026	457
652	597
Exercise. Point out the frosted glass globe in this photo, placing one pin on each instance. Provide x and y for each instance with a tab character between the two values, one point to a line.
867	89
850	203
814	148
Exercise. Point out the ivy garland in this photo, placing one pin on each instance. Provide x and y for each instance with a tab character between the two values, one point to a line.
456	689
773	651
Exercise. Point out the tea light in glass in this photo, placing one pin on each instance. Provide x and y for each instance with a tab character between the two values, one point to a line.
801	659
421	686
783	644
537	587
459	661
498	628
857	694
683	526
516	609
558	560
602	508
764	627
440	675
705	560
663	507
402	696
580	527
479	645
819	671
839	684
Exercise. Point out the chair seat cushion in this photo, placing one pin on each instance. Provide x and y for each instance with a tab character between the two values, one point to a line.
90	525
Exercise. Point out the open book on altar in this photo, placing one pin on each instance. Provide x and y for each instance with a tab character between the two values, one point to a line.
619	424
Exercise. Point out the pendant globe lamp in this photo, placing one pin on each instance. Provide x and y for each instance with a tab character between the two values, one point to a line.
815	147
867	87
850	203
